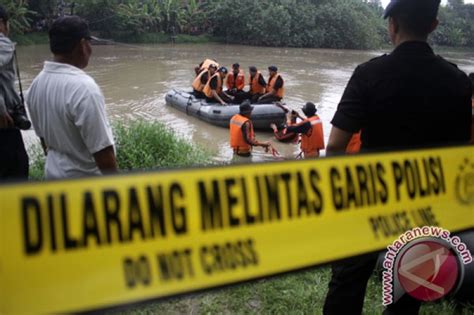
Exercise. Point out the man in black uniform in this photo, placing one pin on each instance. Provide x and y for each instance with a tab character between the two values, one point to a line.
409	98
13	157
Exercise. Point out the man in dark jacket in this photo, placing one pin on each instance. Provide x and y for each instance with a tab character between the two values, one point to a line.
13	157
407	99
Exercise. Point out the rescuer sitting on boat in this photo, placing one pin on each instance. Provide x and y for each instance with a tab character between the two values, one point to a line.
213	89
257	84
275	89
204	65
235	84
242	136
201	80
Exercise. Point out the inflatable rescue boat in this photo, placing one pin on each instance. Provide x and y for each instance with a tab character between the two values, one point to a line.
263	115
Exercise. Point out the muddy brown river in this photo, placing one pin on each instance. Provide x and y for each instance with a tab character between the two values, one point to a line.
135	79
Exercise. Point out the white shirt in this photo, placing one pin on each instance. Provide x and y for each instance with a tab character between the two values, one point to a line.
67	110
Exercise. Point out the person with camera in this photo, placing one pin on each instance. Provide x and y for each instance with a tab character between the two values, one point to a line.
67	107
13	157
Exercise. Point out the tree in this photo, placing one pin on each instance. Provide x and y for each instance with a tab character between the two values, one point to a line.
20	15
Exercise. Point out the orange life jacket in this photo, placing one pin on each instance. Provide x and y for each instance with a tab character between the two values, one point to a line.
238	84
237	141
313	140
255	87
354	145
271	83
206	63
207	89
197	82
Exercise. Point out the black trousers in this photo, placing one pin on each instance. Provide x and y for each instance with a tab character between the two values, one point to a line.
223	97
13	157
348	284
254	97
269	99
199	95
239	96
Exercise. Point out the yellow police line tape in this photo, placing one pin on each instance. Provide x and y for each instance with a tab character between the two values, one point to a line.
93	243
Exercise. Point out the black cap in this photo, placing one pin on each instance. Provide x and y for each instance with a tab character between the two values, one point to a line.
223	70
3	14
273	68
66	32
253	69
213	65
235	65
426	8
309	109
245	107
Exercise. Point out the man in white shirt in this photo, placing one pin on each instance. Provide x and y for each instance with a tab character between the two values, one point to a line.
67	107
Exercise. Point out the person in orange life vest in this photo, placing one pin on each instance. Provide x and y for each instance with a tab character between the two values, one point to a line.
471	76
213	89
205	65
235	84
311	130
201	80
354	145
236	80
275	88
257	84
242	136
282	134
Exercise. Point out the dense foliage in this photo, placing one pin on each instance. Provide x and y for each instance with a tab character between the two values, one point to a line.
297	23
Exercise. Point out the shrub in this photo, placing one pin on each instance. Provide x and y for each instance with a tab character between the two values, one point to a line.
140	145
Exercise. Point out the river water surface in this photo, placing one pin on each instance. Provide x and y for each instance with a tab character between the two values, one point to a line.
135	79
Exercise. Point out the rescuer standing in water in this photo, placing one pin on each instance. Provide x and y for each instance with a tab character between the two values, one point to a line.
406	99
242	136
310	129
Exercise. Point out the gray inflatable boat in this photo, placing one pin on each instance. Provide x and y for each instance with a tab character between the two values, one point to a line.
262	116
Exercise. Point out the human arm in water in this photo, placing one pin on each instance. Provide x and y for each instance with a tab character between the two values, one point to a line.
250	140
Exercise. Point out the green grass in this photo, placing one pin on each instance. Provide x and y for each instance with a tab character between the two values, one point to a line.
298	293
149	145
140	145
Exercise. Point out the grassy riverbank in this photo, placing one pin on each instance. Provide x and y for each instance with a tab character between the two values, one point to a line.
299	293
141	145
